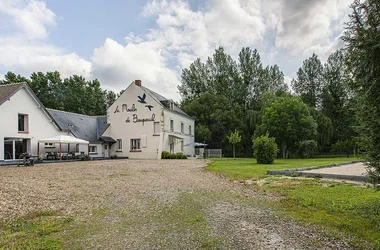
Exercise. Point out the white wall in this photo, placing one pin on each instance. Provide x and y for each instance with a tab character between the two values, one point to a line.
40	126
120	129
188	138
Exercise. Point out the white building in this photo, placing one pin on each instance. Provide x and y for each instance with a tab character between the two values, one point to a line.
142	122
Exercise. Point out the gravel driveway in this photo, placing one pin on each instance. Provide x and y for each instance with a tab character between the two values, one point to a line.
150	204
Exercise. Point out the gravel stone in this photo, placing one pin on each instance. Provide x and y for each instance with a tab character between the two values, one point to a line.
120	191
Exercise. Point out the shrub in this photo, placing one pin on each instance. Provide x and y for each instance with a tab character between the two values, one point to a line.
307	149
165	155
178	155
265	149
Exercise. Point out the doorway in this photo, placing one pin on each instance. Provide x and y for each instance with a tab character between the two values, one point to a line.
14	147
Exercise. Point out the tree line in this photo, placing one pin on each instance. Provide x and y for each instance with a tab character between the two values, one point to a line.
225	95
333	108
72	94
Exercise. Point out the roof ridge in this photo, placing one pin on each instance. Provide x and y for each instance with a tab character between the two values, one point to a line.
11	84
154	92
67	112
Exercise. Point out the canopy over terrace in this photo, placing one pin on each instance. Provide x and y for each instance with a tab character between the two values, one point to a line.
65	139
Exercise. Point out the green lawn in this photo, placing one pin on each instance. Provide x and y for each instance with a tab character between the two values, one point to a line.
341	208
248	168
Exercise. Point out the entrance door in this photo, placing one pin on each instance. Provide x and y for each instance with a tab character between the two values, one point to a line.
106	150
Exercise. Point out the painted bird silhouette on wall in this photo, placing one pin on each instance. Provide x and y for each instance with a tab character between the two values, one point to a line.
142	99
149	107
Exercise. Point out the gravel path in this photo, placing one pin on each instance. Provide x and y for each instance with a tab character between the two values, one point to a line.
356	169
150	204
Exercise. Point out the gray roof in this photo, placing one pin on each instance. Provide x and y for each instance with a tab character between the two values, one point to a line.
6	91
102	124
81	126
164	101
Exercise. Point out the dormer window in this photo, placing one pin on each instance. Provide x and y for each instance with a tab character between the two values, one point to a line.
171	105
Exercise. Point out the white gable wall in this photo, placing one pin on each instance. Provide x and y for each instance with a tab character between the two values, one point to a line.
40	126
121	129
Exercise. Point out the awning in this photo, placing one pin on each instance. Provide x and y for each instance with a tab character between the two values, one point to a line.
107	139
63	139
196	144
175	139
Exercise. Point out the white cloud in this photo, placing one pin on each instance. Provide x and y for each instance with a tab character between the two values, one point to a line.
31	17
311	26
24	50
116	66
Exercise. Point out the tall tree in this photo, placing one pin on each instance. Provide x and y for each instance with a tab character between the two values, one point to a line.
11	77
250	69
194	80
362	39
239	84
288	120
111	98
309	82
337	97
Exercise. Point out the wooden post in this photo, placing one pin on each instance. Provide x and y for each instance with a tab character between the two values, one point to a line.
60	151
38	150
68	148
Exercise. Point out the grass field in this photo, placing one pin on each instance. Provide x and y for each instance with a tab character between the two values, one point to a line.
341	208
248	168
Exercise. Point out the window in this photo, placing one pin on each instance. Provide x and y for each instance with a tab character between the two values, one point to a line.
182	127
182	146
172	148
49	145
76	147
189	130
93	149
171	105
171	125
22	123
119	145
156	128
135	144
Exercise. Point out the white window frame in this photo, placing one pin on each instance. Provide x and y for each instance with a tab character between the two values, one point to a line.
49	145
94	147
171	125
182	128
26	123
135	144
190	130
154	128
119	145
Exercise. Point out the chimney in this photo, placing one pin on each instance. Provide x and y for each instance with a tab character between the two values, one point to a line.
138	83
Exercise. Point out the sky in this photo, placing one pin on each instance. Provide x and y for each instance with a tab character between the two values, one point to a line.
119	41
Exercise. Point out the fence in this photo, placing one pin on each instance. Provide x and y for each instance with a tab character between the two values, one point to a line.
208	153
